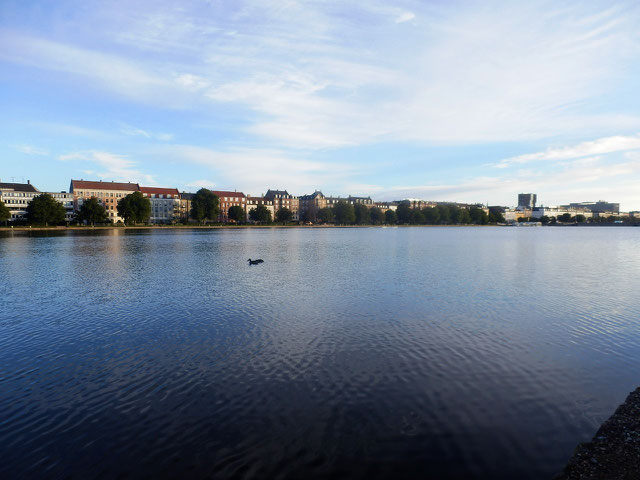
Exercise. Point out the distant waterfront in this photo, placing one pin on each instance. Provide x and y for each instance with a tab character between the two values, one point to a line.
361	353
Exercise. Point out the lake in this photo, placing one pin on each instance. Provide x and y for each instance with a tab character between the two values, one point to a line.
453	352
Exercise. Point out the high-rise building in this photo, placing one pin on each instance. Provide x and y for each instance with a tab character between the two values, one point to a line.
598	207
527	200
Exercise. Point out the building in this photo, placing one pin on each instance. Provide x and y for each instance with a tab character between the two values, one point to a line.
360	200
598	207
310	204
253	202
107	193
165	204
511	215
228	200
527	200
17	196
185	206
543	211
384	206
283	199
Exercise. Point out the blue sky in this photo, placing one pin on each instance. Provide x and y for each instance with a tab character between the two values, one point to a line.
462	101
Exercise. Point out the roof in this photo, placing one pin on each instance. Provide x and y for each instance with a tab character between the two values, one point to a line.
18	187
187	196
276	192
223	193
359	198
160	191
313	195
100	185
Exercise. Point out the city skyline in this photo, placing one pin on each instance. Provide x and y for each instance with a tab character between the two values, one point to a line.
437	101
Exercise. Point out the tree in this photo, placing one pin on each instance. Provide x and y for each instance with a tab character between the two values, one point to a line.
44	209
431	215
260	214
310	214
362	214
377	215
325	215
464	218
544	219
390	217
344	213
454	214
5	213
581	218
478	216
565	218
134	207
284	215
496	217
92	212
404	213
417	217
445	214
205	205
236	213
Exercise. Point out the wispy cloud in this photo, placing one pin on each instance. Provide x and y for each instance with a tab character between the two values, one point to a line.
31	150
109	166
138	132
253	170
197	184
595	147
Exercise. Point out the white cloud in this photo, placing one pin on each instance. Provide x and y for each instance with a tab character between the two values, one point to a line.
405	17
31	150
138	132
254	170
327	74
595	147
109	166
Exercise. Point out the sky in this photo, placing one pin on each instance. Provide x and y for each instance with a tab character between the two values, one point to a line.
468	101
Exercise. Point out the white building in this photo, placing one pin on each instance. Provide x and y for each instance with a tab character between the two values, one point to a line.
165	203
17	196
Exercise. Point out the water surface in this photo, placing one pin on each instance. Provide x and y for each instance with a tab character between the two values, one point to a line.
350	353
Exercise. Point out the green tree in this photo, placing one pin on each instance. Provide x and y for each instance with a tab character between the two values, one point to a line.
260	214
496	217
417	217
445	214
390	217
205	205
431	215
44	209
236	213
134	207
362	214
581	218
310	214
565	218
284	215
454	214
544	219
404	213
325	215
464	218
377	215
344	213
92	212
478	216
5	213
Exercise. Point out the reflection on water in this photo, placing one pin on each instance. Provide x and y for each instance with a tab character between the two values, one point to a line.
359	353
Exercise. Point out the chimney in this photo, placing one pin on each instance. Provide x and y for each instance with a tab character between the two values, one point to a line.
28	182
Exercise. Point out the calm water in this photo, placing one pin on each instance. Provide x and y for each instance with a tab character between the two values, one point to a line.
359	353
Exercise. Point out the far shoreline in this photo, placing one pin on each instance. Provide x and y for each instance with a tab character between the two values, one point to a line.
237	227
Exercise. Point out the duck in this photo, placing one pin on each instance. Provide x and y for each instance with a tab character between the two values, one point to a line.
255	262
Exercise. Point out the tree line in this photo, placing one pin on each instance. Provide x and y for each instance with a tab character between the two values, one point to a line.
135	208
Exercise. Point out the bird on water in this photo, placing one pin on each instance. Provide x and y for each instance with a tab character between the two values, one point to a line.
255	262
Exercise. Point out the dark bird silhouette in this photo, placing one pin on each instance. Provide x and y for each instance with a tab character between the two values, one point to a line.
255	262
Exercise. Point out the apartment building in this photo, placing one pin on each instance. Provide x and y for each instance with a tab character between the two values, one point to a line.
283	199
17	196
165	204
228	200
107	193
253	202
